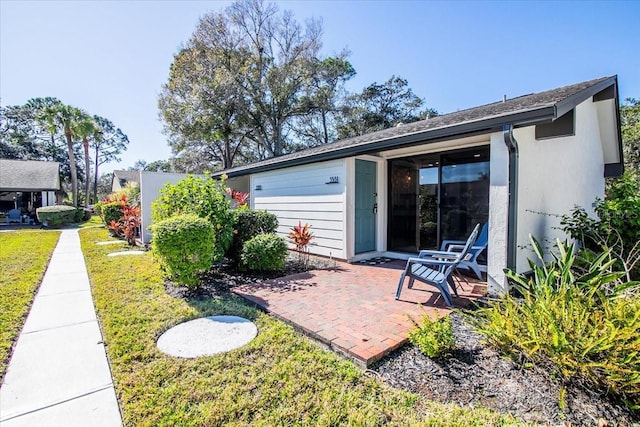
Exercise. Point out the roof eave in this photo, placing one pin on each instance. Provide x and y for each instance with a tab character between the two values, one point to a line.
571	102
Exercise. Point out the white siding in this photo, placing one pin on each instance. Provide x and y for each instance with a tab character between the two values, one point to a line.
301	193
554	176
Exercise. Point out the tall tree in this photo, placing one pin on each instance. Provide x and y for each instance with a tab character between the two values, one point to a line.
61	117
322	100
202	106
86	129
239	83
380	106
109	142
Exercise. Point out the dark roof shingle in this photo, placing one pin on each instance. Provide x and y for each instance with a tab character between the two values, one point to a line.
538	107
29	175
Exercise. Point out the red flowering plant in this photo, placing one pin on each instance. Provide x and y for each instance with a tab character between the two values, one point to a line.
301	237
128	226
238	197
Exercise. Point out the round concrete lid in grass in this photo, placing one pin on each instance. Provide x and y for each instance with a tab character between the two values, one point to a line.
207	336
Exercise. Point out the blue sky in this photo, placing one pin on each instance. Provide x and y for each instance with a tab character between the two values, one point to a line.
112	57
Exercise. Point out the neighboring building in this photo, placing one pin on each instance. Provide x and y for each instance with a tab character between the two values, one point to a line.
120	179
407	188
28	184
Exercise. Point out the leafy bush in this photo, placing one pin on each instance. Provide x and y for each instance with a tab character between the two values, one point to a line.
572	321
204	197
184	244
248	224
129	225
265	252
617	228
434	337
112	211
57	215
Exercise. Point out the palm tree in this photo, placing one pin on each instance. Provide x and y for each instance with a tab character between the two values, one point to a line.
86	128
59	116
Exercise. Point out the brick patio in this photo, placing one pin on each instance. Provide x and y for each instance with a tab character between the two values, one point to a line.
351	308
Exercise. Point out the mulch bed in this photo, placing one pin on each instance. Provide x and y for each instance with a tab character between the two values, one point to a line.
473	375
476	375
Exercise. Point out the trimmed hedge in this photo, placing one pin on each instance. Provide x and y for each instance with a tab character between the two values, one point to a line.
265	252
57	215
185	246
249	224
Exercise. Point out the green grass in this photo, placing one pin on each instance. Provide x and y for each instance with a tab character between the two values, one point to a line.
94	221
24	255
280	378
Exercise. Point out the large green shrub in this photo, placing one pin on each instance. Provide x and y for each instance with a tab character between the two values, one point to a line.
434	337
570	320
248	224
265	252
184	244
202	196
57	215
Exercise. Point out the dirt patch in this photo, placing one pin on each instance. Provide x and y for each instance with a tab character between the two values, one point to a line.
476	375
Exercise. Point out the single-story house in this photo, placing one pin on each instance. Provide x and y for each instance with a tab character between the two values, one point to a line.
512	164
28	184
120	179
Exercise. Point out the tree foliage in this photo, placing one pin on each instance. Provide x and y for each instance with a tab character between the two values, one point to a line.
630	128
47	129
246	81
380	106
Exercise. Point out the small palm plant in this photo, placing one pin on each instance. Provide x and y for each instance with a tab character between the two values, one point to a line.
301	237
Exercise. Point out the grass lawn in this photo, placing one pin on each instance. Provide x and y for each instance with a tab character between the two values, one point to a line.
94	221
24	255
280	378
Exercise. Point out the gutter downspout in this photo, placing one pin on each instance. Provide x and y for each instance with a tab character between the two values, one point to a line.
512	224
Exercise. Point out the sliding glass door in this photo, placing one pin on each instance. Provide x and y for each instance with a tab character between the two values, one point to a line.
437	197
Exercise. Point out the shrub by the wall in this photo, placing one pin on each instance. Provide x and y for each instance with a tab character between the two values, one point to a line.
248	224
204	196
265	252
55	216
112	211
184	244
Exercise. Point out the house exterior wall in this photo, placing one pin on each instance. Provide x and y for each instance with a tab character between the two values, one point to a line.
555	175
303	193
498	214
150	185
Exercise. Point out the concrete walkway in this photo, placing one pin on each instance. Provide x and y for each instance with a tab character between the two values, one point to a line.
59	374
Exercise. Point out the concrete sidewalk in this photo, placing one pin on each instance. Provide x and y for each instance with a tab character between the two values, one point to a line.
59	374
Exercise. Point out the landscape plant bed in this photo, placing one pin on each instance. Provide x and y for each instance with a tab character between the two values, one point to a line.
280	378
24	256
476	375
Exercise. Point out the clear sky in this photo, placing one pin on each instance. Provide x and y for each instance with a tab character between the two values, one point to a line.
111	57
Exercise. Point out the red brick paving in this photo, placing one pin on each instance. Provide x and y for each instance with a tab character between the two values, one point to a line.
352	309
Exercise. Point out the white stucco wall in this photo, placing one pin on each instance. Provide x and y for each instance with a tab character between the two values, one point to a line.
150	185
301	193
498	214
554	176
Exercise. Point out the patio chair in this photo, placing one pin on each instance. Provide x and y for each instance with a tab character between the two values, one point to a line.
472	262
14	215
435	268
